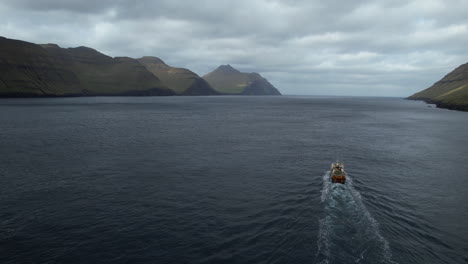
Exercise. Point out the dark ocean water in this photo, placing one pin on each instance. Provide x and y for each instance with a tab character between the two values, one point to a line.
231	180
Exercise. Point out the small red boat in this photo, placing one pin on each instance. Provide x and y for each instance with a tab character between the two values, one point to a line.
337	174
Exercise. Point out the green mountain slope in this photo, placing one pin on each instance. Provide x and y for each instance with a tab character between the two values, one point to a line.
28	69
180	80
227	80
99	74
450	92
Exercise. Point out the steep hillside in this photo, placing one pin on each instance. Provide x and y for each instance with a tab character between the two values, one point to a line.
99	74
227	80
180	80
28	69
450	92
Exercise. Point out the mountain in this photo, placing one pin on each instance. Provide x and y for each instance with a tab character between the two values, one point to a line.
450	92
100	74
180	80
227	80
28	69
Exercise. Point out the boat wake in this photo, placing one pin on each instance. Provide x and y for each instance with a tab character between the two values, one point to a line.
348	233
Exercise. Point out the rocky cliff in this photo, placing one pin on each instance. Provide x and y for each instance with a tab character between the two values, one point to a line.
450	92
227	80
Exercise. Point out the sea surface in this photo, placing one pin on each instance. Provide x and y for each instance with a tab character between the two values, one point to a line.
232	180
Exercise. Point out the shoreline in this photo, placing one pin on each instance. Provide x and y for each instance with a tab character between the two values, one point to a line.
438	104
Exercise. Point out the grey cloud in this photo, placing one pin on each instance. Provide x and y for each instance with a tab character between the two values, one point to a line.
360	47
61	5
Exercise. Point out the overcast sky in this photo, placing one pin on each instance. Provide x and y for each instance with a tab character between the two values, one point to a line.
332	47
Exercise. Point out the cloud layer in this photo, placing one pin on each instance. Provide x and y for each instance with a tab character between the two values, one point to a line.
389	48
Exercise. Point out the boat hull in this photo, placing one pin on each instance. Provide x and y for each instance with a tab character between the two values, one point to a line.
341	180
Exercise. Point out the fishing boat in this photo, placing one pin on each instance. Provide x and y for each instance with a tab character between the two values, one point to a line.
337	173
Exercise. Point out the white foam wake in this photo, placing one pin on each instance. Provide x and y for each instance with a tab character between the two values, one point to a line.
348	233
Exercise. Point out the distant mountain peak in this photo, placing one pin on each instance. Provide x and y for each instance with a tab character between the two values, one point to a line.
123	59
225	79
84	48
226	69
86	53
152	59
